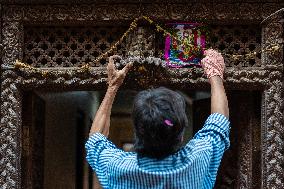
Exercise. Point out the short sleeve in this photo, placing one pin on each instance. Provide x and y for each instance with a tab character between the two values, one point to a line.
216	129
100	153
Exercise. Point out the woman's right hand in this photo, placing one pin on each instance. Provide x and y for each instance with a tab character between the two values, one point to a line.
116	77
213	63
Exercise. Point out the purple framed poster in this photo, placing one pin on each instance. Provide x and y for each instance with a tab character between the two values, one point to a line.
186	46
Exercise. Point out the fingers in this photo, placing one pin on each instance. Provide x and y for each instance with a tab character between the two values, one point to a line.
213	63
112	58
110	65
127	67
115	57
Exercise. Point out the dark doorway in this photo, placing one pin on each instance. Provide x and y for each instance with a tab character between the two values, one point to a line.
56	126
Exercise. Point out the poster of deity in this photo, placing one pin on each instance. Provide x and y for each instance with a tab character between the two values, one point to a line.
186	46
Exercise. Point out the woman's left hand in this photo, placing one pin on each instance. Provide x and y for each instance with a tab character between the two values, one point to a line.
116	77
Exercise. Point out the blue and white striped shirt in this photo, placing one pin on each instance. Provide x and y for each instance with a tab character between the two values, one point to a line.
194	166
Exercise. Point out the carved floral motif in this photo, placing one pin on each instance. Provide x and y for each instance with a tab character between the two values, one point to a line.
268	77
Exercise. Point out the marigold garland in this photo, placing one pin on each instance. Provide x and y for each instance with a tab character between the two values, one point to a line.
133	25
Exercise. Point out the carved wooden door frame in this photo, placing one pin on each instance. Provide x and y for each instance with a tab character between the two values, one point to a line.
267	78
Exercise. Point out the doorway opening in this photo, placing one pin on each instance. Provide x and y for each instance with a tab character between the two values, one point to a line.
56	126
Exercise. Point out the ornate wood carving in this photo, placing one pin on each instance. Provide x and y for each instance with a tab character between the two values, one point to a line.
222	11
11	41
60	46
236	39
268	77
10	134
273	140
140	43
70	46
35	2
14	82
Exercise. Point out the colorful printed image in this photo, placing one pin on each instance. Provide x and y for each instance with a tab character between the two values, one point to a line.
184	48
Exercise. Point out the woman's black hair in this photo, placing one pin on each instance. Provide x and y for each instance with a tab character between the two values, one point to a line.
159	118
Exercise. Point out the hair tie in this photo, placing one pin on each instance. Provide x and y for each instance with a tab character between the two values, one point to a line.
168	123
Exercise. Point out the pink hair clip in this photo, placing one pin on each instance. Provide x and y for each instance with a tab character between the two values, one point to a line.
168	122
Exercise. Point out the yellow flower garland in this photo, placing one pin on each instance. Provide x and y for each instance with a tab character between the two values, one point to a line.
133	25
